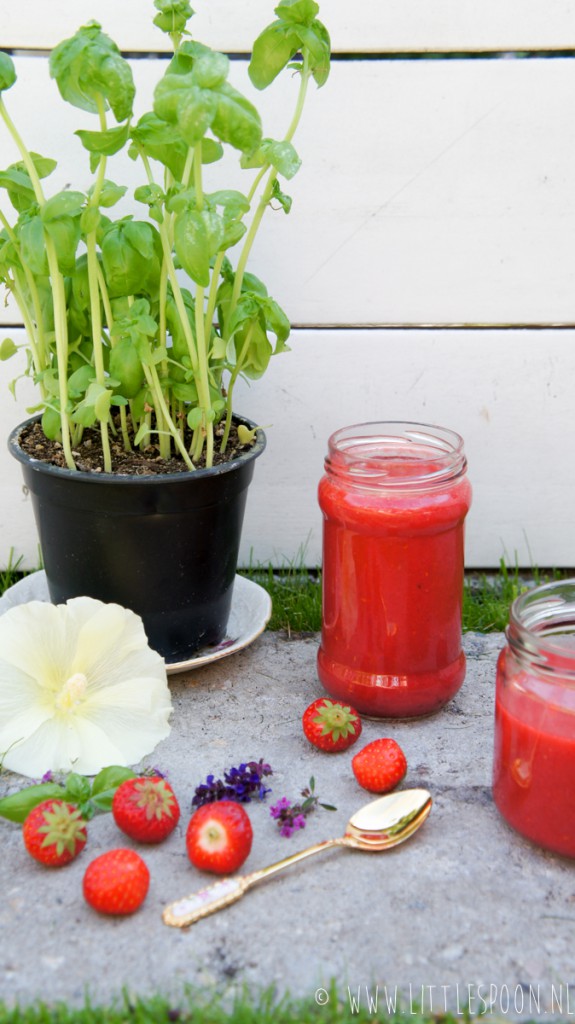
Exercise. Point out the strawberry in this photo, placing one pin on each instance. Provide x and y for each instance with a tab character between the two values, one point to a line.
146	809
54	832
219	837
116	882
331	724
379	766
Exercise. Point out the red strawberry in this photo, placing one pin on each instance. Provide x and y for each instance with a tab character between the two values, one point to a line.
379	766
54	832
219	837
116	882
146	809
331	724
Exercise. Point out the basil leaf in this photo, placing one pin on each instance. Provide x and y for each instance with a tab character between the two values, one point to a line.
79	381
32	245
43	165
51	423
90	220
110	193
7	349
237	120
272	51
17	806
110	778
277	321
196	111
89	65
281	198
233	233
282	156
198	236
7	71
233	202
130	257
65	234
63	204
126	369
19	188
174	15
317	42
211	151
210	69
161	141
104	143
297	11
77	788
168	93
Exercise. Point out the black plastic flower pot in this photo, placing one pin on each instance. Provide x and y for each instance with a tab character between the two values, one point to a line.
165	546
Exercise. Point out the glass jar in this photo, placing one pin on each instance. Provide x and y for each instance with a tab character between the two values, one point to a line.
394	498
534	759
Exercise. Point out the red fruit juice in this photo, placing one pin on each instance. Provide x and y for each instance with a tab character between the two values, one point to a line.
534	759
394	499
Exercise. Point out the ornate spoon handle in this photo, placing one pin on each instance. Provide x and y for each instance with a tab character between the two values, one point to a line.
190	909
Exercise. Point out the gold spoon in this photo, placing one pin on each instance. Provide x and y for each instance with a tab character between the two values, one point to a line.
378	826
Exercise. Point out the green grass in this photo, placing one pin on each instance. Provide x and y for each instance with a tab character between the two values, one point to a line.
12	573
296	597
244	1009
296	594
487	597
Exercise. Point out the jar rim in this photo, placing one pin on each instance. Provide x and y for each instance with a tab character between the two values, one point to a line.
541	620
370	453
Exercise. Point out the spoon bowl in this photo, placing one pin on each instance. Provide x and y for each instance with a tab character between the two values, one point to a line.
377	826
388	821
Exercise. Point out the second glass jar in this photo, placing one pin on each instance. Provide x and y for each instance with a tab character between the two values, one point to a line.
534	755
394	499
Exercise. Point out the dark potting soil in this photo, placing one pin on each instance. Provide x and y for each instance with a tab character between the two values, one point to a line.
88	454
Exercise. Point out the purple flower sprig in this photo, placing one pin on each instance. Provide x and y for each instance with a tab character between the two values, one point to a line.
291	817
240	784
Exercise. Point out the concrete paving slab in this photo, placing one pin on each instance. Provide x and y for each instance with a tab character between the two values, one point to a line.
465	912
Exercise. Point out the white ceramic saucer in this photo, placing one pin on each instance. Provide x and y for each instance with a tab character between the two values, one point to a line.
250	613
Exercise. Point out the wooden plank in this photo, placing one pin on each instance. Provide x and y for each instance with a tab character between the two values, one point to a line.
509	393
371	26
430	192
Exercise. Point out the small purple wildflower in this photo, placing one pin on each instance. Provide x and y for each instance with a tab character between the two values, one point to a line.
155	772
288	828
291	817
282	805
241	784
47	777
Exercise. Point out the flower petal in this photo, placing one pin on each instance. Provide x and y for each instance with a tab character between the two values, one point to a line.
18	691
112	643
52	746
35	638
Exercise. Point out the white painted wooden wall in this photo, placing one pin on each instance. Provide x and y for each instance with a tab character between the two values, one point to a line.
428	263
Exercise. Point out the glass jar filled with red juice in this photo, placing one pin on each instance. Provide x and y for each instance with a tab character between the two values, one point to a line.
394	499
534	759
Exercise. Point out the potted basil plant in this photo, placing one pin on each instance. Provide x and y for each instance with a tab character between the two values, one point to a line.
138	325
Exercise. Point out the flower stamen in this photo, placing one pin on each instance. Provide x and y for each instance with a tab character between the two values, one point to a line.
72	693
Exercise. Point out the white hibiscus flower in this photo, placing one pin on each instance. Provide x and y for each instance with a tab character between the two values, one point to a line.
80	688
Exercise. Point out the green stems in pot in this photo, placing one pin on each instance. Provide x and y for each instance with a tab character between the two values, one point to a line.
141	325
